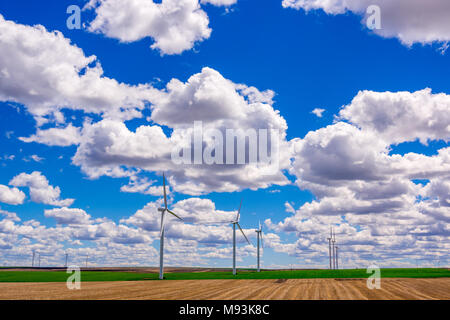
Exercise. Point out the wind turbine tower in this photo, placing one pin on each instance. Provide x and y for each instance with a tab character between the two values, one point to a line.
161	242
236	223
329	246
337	260
67	259
333	240
32	262
259	237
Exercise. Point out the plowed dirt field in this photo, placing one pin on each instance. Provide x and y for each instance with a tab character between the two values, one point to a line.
293	289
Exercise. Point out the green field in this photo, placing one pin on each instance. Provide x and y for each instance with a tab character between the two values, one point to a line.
61	276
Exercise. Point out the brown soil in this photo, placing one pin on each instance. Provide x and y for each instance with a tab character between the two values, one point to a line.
293	289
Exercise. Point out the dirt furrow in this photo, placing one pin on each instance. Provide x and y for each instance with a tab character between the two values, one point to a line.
438	288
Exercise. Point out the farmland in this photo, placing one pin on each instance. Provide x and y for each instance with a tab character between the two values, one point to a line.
199	284
264	289
142	274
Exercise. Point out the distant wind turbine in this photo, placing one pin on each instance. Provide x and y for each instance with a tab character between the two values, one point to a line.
329	245
334	248
32	262
337	260
161	242
236	223
67	259
259	236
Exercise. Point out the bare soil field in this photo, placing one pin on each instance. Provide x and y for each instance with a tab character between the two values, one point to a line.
293	289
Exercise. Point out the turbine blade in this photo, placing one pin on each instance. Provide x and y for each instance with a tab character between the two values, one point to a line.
239	212
259	225
174	214
162	222
165	195
243	233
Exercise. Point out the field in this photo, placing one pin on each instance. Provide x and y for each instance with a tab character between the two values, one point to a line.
138	274
204	284
292	289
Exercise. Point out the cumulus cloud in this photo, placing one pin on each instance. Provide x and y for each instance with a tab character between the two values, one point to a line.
411	21
108	147
174	25
202	222
401	116
367	191
58	76
62	137
68	215
9	215
46	73
126	243
144	186
11	195
40	190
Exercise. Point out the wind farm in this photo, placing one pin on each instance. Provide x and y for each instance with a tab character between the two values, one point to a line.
330	282
224	149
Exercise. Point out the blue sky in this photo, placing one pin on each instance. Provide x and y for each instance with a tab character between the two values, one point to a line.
310	58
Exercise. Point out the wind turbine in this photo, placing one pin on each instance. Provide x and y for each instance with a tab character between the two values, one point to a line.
334	248
161	242
259	236
234	223
337	260
67	259
32	263
329	245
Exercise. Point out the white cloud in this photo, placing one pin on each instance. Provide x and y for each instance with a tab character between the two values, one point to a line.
411	21
174	25
11	195
401	116
68	216
63	137
144	186
107	145
109	148
201	222
47	73
36	158
365	189
219	2
40	190
9	215
318	112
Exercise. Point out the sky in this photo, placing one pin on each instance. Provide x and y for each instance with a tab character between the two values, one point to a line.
90	116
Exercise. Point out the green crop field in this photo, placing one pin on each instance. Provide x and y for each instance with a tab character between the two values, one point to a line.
61	276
